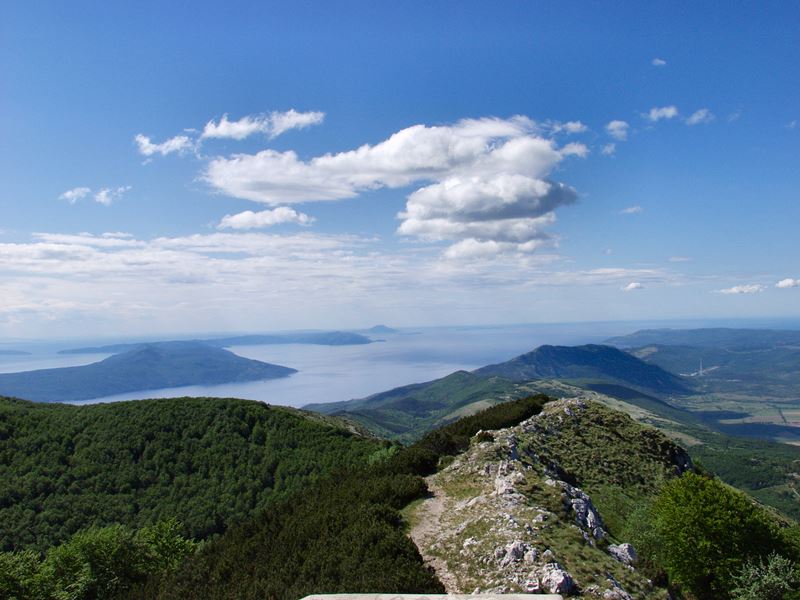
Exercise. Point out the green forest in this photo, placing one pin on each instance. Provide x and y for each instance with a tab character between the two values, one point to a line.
321	508
206	462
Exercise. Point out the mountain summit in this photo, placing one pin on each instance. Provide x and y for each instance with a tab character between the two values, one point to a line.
591	362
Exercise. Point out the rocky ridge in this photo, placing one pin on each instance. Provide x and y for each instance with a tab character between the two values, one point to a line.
506	516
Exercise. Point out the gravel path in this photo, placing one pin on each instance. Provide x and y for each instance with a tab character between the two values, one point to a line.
427	530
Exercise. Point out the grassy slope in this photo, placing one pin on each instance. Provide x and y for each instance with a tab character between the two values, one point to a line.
768	471
407	412
614	459
205	461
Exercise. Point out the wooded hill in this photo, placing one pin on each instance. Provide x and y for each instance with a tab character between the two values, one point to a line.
207	462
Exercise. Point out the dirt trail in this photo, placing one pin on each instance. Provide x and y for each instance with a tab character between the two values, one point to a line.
424	534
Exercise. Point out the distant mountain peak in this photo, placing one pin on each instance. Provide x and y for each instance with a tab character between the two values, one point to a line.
587	362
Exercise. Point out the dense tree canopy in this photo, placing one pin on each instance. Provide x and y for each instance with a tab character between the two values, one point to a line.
707	532
205	462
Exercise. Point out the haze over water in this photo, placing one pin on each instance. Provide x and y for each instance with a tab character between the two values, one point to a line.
336	373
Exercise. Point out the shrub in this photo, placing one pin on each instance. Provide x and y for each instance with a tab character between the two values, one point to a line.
707	532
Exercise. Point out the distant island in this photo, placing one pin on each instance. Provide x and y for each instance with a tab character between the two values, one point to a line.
320	338
381	330
14	353
144	367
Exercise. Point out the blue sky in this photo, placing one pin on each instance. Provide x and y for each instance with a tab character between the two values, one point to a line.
253	166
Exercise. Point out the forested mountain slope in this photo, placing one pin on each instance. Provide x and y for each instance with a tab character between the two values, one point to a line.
207	462
591	362
407	412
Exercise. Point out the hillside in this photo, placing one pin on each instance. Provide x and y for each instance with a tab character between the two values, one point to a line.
343	534
321	338
147	367
712	337
588	363
531	508
405	413
746	382
208	462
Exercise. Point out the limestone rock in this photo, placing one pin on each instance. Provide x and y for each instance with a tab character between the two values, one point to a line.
624	553
555	579
514	552
615	591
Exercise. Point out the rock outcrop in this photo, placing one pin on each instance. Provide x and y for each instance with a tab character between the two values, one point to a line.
509	516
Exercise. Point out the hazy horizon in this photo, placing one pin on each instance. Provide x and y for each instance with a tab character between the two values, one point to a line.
297	165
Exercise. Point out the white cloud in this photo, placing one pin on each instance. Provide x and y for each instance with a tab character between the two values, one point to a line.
571	127
631	210
700	116
791	124
575	149
680	259
271	125
75	194
618	130
225	279
743	289
107	196
664	112
788	283
734	116
659	62
609	149
483	179
632	286
265	218
179	144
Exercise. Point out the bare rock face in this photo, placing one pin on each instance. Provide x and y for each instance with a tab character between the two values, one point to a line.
555	579
624	553
586	515
514	552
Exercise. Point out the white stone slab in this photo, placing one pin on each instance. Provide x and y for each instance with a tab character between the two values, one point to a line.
434	597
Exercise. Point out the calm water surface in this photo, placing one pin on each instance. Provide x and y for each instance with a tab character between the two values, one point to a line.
335	373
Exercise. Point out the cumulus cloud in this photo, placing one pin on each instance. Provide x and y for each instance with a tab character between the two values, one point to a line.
568	127
753	288
659	62
659	113
632	286
179	144
271	125
618	130
107	196
788	283
265	218
700	116
483	180
608	149
791	124
631	210
75	194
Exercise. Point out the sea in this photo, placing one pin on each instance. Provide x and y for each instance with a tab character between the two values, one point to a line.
337	373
